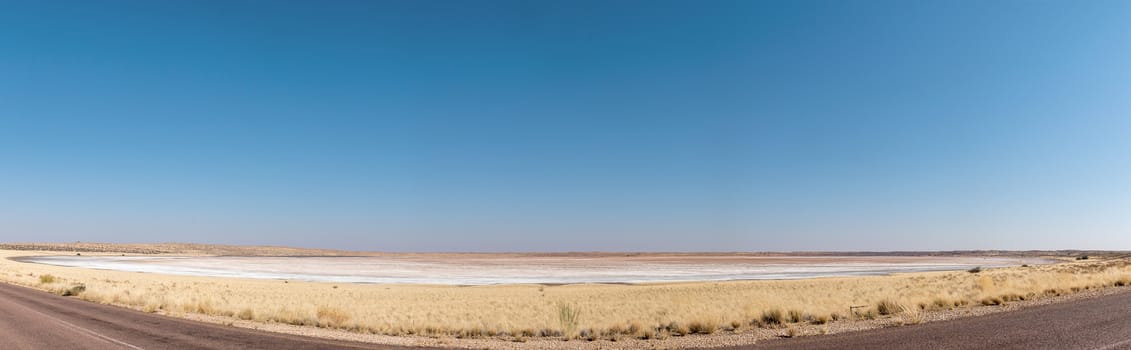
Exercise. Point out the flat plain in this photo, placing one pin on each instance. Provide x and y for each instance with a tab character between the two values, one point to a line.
642	315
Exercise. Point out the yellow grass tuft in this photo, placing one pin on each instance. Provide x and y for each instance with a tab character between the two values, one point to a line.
569	317
331	317
772	317
888	307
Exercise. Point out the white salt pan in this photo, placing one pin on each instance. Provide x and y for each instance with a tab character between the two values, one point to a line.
544	270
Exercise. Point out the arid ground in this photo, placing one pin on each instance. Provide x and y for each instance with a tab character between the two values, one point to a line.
643	315
488	269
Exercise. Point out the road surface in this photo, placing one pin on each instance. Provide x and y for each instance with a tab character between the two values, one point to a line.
32	319
1102	323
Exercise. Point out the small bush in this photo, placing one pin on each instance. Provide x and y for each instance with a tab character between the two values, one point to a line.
792	332
569	316
772	317
734	325
74	291
331	317
648	334
678	329
823	319
941	303
589	334
869	314
634	328
702	327
46	279
888	307
246	314
795	316
975	270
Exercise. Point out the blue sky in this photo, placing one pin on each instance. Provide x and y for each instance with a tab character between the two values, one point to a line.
569	125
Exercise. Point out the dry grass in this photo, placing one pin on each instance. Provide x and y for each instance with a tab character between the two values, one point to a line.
705	326
568	318
772	317
792	331
888	307
586	311
330	317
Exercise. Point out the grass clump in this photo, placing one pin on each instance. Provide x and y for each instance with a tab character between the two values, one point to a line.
941	303
772	317
74	291
822	319
246	314
912	314
331	317
569	316
888	307
46	279
678	329
792	332
702	327
795	316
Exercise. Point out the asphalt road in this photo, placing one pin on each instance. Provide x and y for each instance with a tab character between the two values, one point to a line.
1102	323
32	319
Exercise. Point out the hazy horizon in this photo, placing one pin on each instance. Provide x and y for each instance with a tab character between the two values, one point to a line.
580	126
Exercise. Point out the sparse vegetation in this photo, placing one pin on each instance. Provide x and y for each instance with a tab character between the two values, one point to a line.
75	290
611	312
888	307
46	279
702	326
795	316
772	317
246	314
792	331
911	314
330	317
569	316
822	319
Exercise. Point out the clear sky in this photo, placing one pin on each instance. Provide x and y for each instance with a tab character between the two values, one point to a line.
568	125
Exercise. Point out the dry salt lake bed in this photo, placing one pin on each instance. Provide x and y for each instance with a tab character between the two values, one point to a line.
475	269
